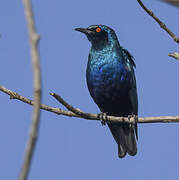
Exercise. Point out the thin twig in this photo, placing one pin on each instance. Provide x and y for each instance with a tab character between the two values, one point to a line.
34	39
174	55
69	107
162	25
89	116
172	2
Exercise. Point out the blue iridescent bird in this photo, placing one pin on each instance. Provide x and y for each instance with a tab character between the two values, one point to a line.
112	84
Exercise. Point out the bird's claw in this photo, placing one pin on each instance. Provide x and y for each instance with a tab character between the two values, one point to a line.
132	120
103	118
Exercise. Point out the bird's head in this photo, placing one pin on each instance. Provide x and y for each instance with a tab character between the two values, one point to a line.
99	35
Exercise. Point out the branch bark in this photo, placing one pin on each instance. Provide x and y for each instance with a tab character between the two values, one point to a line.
88	116
34	39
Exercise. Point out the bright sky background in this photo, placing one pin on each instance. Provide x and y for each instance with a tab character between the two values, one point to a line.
72	148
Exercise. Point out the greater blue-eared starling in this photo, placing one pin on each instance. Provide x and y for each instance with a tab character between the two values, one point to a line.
112	84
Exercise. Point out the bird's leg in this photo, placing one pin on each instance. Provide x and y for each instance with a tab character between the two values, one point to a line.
103	118
132	120
133	123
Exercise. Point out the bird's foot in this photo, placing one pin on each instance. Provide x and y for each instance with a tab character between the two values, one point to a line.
103	118
132	120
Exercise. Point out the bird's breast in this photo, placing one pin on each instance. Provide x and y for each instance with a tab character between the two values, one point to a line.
106	79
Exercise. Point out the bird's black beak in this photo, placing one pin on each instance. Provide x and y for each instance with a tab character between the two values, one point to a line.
89	33
84	30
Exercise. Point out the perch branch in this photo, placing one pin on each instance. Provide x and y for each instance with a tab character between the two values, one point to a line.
88	116
34	39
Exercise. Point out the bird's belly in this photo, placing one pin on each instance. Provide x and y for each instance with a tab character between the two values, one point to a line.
110	91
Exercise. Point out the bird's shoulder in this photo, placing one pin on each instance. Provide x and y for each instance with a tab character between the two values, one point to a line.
128	57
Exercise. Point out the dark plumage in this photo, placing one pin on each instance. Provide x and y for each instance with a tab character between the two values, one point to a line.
112	84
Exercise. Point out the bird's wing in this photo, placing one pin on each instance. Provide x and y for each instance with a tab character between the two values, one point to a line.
127	55
133	91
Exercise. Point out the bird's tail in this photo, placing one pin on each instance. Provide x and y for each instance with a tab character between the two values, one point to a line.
125	138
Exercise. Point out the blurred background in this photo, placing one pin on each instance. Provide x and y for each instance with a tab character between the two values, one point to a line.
72	148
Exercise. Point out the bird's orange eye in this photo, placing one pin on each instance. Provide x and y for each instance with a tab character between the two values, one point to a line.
98	29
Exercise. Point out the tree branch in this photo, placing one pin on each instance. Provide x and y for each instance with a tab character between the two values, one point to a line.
34	39
88	116
174	55
163	26
69	107
172	2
